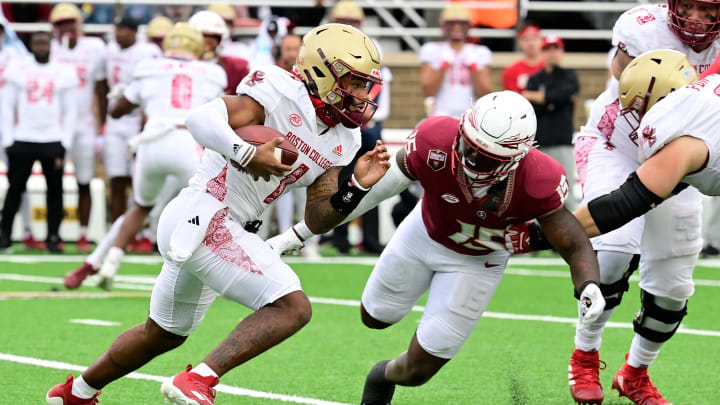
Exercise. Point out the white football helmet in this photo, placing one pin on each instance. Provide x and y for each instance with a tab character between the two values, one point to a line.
210	23
494	135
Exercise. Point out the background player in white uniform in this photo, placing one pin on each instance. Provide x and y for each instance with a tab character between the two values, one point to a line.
38	119
606	153
156	30
121	57
205	234
665	284
454	72
10	51
166	89
678	146
87	55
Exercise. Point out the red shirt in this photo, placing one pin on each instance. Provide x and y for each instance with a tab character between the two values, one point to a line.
515	76
470	226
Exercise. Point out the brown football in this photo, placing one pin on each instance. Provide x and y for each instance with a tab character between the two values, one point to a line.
257	135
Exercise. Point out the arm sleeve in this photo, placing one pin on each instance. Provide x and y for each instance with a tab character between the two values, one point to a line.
69	117
7	112
208	124
563	92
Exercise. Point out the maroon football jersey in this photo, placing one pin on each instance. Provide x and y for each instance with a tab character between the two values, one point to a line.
235	69
471	226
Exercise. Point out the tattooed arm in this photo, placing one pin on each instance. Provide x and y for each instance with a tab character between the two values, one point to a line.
320	216
565	233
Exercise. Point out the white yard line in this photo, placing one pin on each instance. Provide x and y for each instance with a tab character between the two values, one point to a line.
149	377
95	322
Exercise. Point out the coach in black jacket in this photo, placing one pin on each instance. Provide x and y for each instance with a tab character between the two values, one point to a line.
552	92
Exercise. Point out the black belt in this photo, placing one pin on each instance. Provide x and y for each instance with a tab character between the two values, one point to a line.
253	226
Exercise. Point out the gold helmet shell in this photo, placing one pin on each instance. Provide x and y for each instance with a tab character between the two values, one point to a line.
347	11
65	11
224	10
183	42
159	26
455	12
652	76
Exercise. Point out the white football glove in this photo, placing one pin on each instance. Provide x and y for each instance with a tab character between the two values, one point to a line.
592	303
286	242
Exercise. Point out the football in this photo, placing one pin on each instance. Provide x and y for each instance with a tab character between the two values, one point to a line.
257	135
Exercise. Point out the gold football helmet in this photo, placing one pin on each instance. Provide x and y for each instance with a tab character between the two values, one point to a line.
183	42
347	12
332	55
452	14
158	27
65	11
650	77
224	10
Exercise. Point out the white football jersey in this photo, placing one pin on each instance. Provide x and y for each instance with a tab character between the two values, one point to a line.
289	110
168	88
88	58
456	92
644	28
693	111
8	54
606	123
119	67
37	88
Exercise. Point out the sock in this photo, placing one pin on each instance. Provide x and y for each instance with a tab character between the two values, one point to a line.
590	337
83	231
26	233
643	352
115	255
204	370
96	257
81	389
147	233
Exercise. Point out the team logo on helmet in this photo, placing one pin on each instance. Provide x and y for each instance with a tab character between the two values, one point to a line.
436	159
295	120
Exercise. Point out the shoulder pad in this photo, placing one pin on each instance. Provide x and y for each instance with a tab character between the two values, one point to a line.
543	174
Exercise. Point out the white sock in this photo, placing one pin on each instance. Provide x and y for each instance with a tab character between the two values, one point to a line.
204	370
81	389
96	257
115	255
590	337
643	352
83	231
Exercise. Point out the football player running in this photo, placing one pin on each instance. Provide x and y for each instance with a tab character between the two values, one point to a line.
166	88
605	153
87	55
206	234
481	173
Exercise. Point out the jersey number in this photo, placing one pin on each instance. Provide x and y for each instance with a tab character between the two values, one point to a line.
181	97
81	76
459	75
478	238
116	70
36	92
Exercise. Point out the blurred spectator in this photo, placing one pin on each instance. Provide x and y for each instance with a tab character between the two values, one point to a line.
271	31
454	72
38	121
552	92
515	76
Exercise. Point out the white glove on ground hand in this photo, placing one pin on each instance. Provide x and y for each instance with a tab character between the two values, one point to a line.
286	242
592	303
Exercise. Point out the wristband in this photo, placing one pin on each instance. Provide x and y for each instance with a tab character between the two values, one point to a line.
348	196
582	288
302	231
244	153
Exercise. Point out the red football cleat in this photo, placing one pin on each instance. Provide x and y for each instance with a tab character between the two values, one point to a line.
61	394
584	377
144	246
82	245
189	388
74	280
30	243
634	383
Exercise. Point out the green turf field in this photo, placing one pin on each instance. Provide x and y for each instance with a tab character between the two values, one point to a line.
518	353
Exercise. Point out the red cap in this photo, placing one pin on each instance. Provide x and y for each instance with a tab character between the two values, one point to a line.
553	40
529	29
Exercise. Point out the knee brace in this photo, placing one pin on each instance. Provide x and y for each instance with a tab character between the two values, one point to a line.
651	315
613	292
